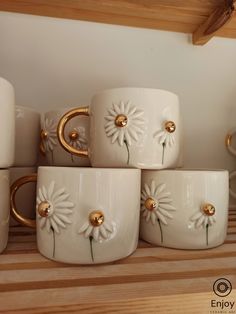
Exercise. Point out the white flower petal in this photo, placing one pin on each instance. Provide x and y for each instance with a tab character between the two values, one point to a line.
153	187
58	221
107	226
127	108
95	233
112	131
65	204
42	222
111	117
122	107
61	198
153	218
148	216
54	225
196	216
166	206
84	227
161	217
51	189
114	137
103	232
64	218
88	231
133	134
48	225
165	213
128	138
200	221
161	187
117	109
121	138
147	189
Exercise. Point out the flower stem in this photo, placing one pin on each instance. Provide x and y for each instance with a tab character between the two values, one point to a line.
160	230
91	247
54	242
207	226
127	147
163	152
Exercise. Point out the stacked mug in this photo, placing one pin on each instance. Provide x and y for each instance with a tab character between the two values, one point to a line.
133	139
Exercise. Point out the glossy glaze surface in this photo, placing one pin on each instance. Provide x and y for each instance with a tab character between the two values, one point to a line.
75	205
186	225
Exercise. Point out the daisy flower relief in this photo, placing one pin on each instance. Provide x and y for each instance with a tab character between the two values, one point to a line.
156	204
77	139
48	136
124	124
204	218
96	228
53	209
165	136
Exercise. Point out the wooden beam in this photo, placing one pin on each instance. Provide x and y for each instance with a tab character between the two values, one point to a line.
219	18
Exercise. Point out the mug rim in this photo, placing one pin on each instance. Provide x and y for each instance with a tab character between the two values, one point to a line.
193	170
90	169
30	109
62	110
136	88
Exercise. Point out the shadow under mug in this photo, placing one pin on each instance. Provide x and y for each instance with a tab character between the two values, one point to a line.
129	127
84	215
184	209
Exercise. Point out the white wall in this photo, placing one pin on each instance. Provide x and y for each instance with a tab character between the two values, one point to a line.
56	62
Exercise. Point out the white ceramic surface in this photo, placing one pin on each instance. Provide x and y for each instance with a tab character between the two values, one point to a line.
73	193
177	219
55	154
4	208
26	195
7	123
27	137
138	143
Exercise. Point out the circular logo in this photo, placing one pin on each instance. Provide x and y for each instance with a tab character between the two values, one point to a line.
222	287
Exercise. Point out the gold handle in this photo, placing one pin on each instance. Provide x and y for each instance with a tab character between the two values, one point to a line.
228	141
14	188
83	111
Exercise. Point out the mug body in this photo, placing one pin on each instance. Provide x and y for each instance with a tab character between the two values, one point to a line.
27	137
184	209
76	133
87	215
135	127
26	196
7	123
4	208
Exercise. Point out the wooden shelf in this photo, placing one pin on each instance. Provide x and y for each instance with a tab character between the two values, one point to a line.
172	15
152	280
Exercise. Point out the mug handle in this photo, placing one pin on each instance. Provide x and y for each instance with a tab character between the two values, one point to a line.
228	141
14	188
231	176
83	111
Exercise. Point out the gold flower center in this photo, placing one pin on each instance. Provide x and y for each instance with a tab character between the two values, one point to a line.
121	120
44	209
73	135
96	218
150	204
44	134
208	209
170	126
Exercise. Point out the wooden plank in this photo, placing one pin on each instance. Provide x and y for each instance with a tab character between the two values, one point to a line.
172	15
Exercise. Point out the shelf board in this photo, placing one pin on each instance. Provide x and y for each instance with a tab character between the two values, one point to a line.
171	15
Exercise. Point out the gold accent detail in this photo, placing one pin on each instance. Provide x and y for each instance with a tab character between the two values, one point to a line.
228	140
170	126
73	135
14	188
150	204
121	120
208	209
44	209
96	218
43	135
83	111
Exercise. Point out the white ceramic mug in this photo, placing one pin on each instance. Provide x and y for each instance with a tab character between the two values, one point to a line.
85	215
25	198
76	134
4	208
7	123
27	137
130	127
184	209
